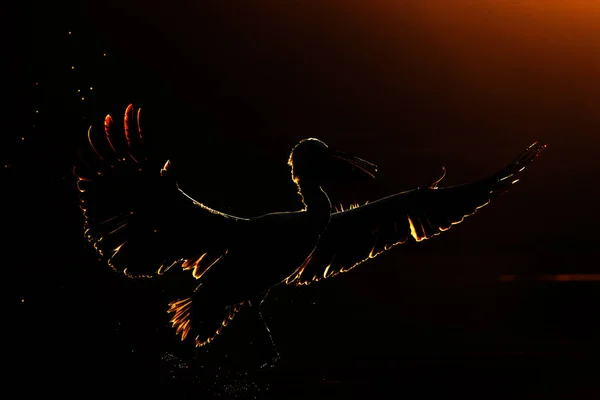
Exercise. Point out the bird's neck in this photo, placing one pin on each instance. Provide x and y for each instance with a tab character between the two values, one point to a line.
315	199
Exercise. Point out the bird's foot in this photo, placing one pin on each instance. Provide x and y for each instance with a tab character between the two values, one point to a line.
271	363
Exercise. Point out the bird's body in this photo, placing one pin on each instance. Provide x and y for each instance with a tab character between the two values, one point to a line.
143	225
262	253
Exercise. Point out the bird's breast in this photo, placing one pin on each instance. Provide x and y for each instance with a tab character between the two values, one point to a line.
279	243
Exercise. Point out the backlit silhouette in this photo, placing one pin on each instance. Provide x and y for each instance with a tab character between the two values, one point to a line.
143	225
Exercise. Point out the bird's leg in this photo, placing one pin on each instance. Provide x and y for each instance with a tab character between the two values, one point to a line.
266	346
274	354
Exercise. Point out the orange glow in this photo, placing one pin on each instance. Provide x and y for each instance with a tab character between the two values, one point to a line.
182	321
413	231
162	269
136	276
118	222
197	203
127	126
556	278
108	122
571	278
435	184
118	228
327	270
165	168
187	264
371	253
115	251
352	206
294	177
417	225
128	111
296	276
507	278
196	265
139	111
92	144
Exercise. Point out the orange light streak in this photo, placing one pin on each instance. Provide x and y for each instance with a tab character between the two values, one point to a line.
108	122
92	144
182	322
555	278
196	266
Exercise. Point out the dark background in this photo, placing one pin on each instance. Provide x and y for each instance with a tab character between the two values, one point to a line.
227	89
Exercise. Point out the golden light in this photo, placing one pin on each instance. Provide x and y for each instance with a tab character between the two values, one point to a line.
182	322
296	276
413	231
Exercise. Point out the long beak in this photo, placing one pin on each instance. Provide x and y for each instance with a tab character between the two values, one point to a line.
362	165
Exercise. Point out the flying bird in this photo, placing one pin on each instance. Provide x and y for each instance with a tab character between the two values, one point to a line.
143	225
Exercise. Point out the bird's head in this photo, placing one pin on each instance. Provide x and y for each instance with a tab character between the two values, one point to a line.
312	160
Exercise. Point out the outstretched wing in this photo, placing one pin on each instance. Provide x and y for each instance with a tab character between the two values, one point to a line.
361	233
135	216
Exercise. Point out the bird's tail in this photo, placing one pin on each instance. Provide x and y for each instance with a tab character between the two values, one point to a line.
199	318
117	183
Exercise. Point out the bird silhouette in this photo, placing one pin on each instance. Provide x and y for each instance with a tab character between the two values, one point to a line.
143	225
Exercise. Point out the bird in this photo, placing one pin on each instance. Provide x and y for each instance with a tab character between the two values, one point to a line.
143	225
